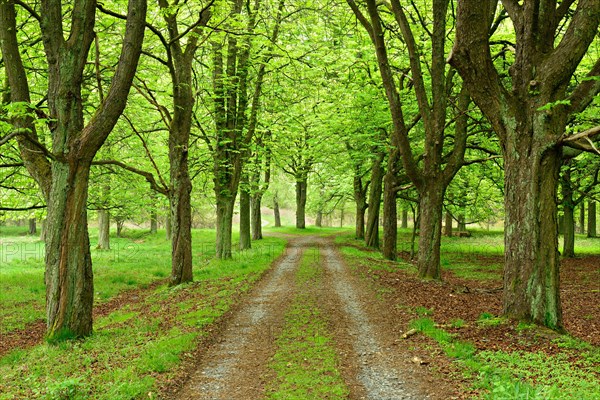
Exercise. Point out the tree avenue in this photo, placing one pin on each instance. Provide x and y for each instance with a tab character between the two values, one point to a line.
332	112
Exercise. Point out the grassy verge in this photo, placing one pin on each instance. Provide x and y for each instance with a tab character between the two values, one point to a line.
136	349
520	374
305	364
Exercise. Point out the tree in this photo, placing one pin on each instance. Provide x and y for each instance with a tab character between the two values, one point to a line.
529	111
69	278
438	169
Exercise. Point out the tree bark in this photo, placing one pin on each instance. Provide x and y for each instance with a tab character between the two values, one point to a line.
153	220
582	217
404	219
224	227
256	216
430	230
168	233
32	227
448	225
245	236
591	226
276	213
301	187
103	230
569	234
319	219
372	231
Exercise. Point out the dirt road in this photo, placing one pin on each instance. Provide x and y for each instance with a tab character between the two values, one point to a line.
373	363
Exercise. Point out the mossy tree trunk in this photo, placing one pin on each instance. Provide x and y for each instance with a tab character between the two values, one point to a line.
530	116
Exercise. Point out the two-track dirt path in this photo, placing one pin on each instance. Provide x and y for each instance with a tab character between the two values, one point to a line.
372	363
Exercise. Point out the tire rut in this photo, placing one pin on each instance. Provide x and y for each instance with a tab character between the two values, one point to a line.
375	373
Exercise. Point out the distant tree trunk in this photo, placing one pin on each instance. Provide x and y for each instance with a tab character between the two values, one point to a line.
569	233
342	217
43	230
32	227
103	230
224	229
591	228
245	236
167	226
276	213
301	187
120	222
462	224
404	219
360	199
390	217
153	220
448	224
256	217
319	219
582	217
372	231
561	224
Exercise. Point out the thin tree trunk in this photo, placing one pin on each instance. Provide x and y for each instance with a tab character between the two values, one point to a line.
430	230
390	218
43	230
342	217
404	219
153	220
181	228
245	236
582	217
301	187
168	232
276	213
448	225
224	227
591	227
103	230
256	217
359	230
319	219
32	227
569	232
372	231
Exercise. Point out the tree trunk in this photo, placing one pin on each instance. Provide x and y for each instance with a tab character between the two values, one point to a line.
256	220
153	220
32	227
319	219
569	232
224	227
245	237
582	217
404	219
372	231
531	273
301	186
43	230
342	217
390	218
180	227
168	232
120	223
359	230
591	226
69	277
276	213
103	230
430	230
448	225
568	220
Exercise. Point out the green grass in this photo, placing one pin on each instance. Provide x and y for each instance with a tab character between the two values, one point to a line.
136	348
305	363
519	374
309	230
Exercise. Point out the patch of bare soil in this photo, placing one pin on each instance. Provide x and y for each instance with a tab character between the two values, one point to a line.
33	333
464	299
